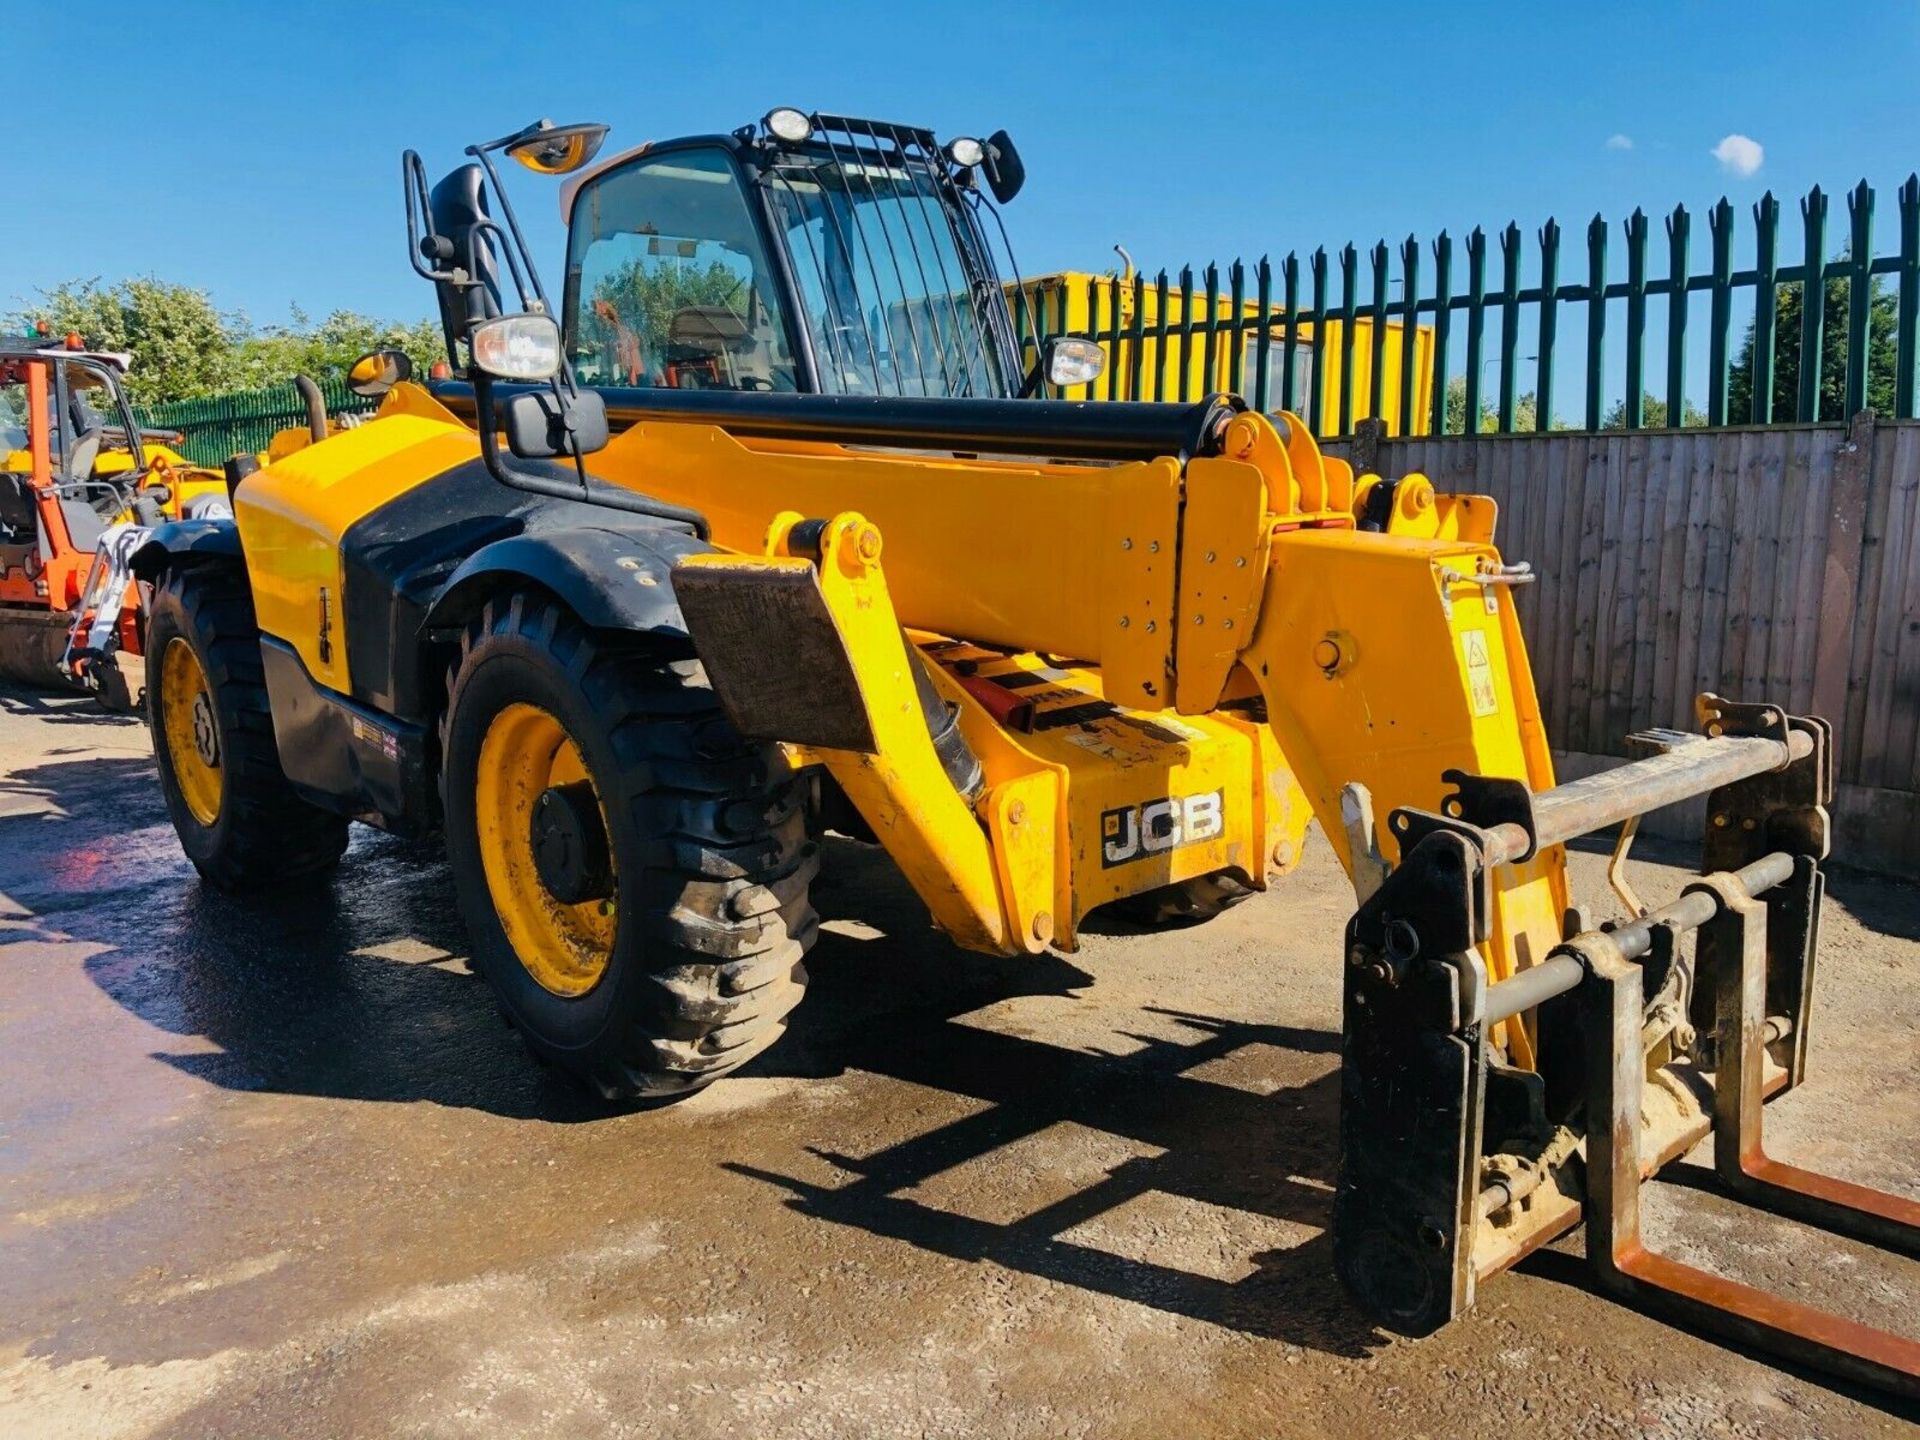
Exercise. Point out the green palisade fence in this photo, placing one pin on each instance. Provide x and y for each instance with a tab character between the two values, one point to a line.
1488	307
214	427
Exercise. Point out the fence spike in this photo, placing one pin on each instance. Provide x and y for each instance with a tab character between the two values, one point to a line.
1290	273
1596	317
1377	349
1549	324
1409	330
1859	297
1442	325
1476	325
1908	322
1262	357
1509	322
1720	316
1813	304
1317	373
1766	307
1679	236
1349	296
1237	326
1186	336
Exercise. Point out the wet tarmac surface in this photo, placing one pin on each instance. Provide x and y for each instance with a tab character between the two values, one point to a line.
276	1167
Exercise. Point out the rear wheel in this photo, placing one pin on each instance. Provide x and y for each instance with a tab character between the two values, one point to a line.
632	873
240	822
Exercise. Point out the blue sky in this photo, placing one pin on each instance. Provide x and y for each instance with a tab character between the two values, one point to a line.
253	150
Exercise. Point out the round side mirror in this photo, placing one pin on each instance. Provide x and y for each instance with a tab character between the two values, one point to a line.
549	149
377	372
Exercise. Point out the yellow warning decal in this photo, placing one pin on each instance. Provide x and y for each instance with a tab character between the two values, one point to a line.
1473	648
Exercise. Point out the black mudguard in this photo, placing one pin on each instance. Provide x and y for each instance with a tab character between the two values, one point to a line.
612	578
193	541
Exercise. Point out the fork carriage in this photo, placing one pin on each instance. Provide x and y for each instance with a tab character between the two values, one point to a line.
1673	1026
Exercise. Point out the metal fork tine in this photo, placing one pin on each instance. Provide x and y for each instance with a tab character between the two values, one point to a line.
1614	1002
1734	945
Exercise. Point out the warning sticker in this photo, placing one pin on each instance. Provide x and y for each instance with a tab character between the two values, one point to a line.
365	731
1473	648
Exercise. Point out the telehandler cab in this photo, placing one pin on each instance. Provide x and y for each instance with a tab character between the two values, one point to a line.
808	559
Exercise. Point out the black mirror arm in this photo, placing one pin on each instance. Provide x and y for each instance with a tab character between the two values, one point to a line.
588	491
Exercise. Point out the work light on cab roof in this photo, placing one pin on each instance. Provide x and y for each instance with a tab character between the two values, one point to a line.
783	122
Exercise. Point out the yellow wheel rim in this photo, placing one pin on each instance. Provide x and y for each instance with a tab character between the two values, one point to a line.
191	729
565	948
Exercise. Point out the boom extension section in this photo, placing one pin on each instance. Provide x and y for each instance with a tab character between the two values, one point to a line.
1305	646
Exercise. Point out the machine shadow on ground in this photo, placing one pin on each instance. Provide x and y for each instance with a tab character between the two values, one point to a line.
352	988
1207	1146
73	710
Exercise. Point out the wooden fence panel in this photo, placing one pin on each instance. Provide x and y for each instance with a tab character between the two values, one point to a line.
1780	562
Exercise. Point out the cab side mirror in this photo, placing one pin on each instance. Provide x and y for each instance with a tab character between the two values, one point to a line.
1006	171
377	372
540	426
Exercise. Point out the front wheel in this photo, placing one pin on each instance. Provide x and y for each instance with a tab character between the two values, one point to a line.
632	873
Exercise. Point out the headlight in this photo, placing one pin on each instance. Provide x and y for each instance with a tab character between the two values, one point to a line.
966	152
788	124
517	347
1072	361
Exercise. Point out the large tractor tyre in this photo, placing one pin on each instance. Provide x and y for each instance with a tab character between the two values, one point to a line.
240	822
633	875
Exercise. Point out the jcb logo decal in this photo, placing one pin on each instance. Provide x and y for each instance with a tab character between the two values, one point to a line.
1137	831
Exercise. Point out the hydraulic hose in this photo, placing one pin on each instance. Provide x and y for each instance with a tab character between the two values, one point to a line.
1068	429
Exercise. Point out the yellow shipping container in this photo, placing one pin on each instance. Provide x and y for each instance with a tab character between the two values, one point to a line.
1060	301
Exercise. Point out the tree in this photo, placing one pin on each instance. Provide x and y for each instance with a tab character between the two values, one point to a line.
1653	414
183	346
1882	317
275	354
1526	412
180	342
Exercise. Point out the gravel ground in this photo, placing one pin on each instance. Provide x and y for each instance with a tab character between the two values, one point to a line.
278	1169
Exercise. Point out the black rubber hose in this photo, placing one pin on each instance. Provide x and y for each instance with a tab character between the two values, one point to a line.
1072	429
943	728
316	406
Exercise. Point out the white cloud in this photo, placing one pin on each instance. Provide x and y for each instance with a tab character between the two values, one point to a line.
1739	154
1619	142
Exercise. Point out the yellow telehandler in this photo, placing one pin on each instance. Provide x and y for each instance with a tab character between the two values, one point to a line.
762	529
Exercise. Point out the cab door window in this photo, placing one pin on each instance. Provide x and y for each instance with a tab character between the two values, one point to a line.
668	284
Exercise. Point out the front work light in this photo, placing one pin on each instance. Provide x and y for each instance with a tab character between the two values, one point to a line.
517	347
788	124
549	149
1073	361
965	151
